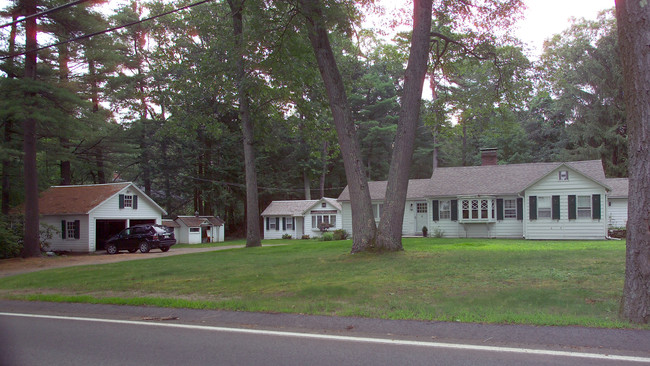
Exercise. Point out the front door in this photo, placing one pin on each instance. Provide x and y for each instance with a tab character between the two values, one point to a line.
421	216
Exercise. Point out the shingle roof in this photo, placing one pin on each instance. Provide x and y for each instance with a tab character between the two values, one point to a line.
295	207
195	221
620	187
417	188
490	179
170	223
75	200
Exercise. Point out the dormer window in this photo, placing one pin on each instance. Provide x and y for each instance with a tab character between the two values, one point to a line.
564	175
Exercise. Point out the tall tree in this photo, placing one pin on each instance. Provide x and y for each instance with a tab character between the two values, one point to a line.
634	38
253	238
31	246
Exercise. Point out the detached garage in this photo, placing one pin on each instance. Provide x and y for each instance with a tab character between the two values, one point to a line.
87	215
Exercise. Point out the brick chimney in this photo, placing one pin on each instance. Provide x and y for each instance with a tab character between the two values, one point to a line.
489	156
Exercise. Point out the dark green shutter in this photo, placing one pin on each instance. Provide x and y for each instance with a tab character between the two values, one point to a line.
277	224
77	226
135	202
532	207
267	223
63	229
293	223
284	223
499	208
436	210
573	208
595	206
121	201
520	208
555	208
454	210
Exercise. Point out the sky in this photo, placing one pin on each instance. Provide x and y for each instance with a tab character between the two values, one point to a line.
542	18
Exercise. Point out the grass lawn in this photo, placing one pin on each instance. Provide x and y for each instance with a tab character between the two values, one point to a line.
467	280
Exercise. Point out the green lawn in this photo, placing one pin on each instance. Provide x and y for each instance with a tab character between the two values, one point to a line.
467	280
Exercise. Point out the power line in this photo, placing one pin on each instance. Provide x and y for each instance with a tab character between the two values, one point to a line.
86	36
44	12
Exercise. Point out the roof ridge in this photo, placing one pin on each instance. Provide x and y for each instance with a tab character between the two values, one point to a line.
90	185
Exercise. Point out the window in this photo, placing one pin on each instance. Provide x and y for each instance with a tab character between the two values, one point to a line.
510	208
564	175
445	210
478	209
289	221
584	207
272	223
422	207
196	229
544	207
316	220
70	229
128	200
377	209
323	205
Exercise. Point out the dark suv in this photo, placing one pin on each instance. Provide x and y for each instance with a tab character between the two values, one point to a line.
144	237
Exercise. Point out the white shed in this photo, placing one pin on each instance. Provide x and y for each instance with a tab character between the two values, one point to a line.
199	229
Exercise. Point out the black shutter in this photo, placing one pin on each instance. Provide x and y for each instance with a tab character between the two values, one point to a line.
499	209
595	206
284	223
77	225
520	208
573	208
135	202
532	207
121	201
555	208
267	223
293	223
454	210
435	209
63	229
277	224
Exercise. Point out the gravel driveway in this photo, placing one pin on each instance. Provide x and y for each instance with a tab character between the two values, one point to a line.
13	266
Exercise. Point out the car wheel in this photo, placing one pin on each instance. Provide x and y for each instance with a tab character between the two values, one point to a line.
133	250
164	249
145	247
111	248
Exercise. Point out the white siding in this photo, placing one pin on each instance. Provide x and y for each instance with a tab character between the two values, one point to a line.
617	212
57	243
278	232
110	210
564	228
506	228
309	228
346	217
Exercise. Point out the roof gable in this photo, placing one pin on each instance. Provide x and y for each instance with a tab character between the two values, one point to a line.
80	199
196	221
620	187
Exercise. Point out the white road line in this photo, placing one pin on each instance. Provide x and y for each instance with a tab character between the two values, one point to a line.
469	347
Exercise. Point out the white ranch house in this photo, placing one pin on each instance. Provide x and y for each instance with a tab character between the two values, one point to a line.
86	215
571	200
300	217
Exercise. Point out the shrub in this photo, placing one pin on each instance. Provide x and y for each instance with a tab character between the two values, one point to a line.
340	234
425	231
10	238
323	226
438	232
327	237
304	237
286	236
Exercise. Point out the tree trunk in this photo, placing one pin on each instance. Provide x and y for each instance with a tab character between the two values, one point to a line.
253	238
389	236
634	38
307	184
324	169
363	222
6	162
31	246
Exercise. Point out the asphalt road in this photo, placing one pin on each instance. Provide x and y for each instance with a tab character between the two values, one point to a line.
78	334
